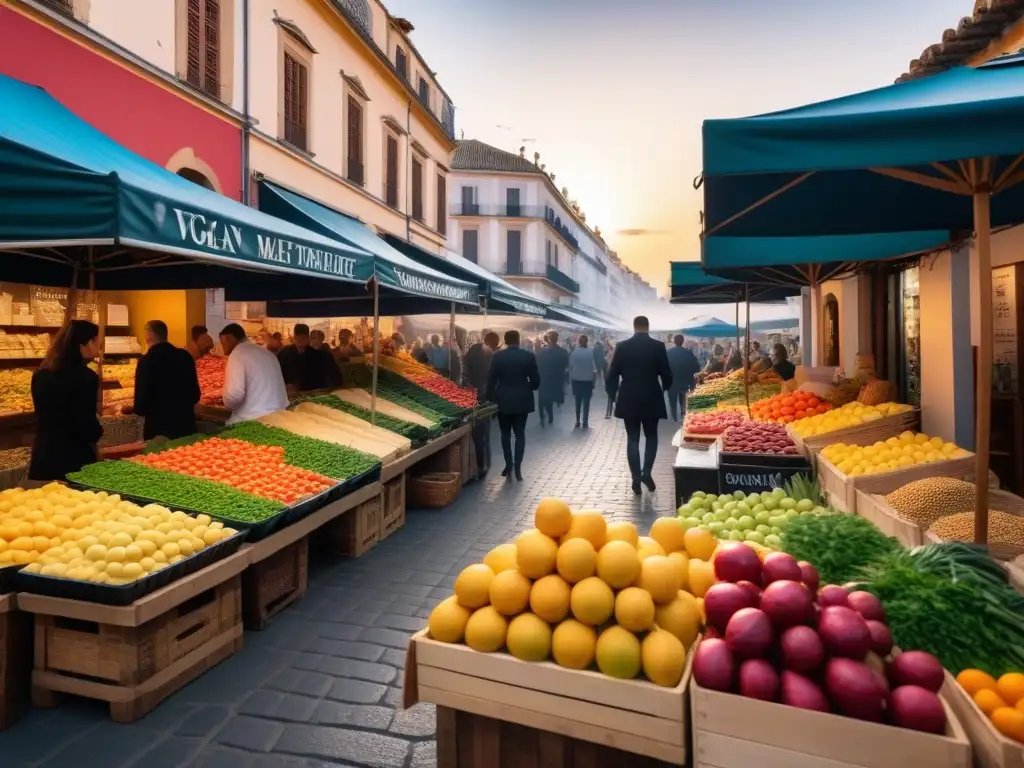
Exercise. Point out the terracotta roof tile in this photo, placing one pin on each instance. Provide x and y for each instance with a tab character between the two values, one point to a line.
972	35
473	155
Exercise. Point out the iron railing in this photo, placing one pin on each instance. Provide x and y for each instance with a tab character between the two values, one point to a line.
549	273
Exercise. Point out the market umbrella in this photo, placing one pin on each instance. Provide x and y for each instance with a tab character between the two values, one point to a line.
711	328
943	152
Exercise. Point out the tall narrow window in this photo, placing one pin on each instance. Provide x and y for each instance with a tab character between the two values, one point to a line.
554	255
203	46
470	245
514	252
547	251
391	173
296	102
424	90
417	189
512	202
469	204
355	142
402	63
442	204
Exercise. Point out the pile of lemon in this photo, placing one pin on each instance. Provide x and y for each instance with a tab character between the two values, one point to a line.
95	536
850	415
910	449
581	590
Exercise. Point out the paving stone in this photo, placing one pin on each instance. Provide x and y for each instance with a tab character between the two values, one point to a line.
357	691
334	713
250	733
360	670
203	721
274	705
393	697
296	681
424	755
172	752
219	757
369	749
391	638
420	721
391	621
394	657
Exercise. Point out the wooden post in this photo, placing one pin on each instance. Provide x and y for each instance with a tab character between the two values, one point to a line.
983	388
451	341
71	308
817	326
737	332
746	352
102	340
376	350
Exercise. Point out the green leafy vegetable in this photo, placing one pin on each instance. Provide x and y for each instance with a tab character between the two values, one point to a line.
838	545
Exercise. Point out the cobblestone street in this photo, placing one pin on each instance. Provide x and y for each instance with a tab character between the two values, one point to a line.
322	685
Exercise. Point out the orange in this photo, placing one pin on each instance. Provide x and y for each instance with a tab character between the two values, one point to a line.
699	543
1020	705
974	680
988	701
1011	687
1009	722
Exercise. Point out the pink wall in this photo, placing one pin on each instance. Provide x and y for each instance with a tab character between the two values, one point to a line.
146	118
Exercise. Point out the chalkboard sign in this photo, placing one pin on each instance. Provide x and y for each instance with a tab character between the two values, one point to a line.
751	478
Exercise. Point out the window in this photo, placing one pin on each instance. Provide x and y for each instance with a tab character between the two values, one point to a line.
417	189
514	252
469	204
402	63
391	172
470	245
554	255
442	204
547	251
296	102
424	90
355	142
203	46
512	202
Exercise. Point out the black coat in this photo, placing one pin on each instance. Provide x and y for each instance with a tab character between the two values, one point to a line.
552	363
166	392
476	365
512	381
310	369
67	427
640	362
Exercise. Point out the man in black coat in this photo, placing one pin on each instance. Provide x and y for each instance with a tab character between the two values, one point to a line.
476	368
553	364
512	380
166	386
306	368
640	362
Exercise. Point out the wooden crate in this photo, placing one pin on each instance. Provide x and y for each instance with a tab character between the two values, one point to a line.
394	507
634	716
135	656
731	731
873	507
357	531
991	748
271	585
15	661
841	490
467	740
861	434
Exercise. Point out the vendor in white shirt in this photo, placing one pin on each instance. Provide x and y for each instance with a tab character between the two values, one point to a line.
253	384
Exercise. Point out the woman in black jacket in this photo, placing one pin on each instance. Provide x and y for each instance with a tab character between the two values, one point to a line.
64	393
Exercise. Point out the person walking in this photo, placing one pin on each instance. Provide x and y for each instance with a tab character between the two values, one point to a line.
639	362
511	382
553	363
253	382
582	373
476	368
166	387
601	359
64	394
684	366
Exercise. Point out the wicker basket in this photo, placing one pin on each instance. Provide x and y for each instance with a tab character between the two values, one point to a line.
433	491
118	430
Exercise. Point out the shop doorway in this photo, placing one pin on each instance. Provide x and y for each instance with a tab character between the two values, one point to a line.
196	178
831	331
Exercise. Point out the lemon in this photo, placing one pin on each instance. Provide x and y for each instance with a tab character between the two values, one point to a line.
132	553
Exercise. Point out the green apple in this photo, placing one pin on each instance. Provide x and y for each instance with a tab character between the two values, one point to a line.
787	503
745	523
804	505
764	530
743	508
698	495
778	493
762	516
737	535
730	506
773	541
770	502
685	511
690	522
704	527
739	495
721	515
753	499
715	506
792	514
716	527
776	520
731	523
725	498
708	517
776	530
755	537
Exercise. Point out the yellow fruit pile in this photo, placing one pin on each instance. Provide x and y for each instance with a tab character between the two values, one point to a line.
95	536
849	415
16	390
581	591
907	450
1002	700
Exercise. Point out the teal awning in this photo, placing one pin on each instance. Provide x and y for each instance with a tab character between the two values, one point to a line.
690	284
560	313
503	297
778	324
711	327
69	193
391	267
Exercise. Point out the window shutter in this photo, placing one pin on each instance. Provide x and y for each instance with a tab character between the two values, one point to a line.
290	86
302	107
400	63
211	41
417	190
442	204
195	43
391	180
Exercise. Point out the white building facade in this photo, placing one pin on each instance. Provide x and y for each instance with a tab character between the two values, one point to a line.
507	215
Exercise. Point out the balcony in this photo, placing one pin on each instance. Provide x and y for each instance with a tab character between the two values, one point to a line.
547	272
355	171
545	212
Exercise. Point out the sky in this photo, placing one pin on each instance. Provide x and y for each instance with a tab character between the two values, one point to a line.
613	94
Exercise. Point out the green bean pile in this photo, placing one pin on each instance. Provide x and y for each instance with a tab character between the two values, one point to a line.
328	459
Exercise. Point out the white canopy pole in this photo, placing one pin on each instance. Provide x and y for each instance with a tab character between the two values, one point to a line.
983	394
451	341
376	350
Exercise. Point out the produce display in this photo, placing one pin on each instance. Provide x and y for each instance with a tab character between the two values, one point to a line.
403	364
1003	528
774	635
14	458
392	404
849	415
318	456
713	423
838	545
708	394
176	490
257	469
584	592
409	429
759	438
757	391
326	430
438	401
123	373
1000	700
16	390
211	372
343	420
760	518
97	537
922	502
787	408
908	450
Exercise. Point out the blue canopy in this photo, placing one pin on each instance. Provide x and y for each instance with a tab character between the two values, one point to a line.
894	159
690	284
561	313
712	327
778	324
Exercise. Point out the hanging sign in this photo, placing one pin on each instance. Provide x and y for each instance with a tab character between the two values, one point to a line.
1004	329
